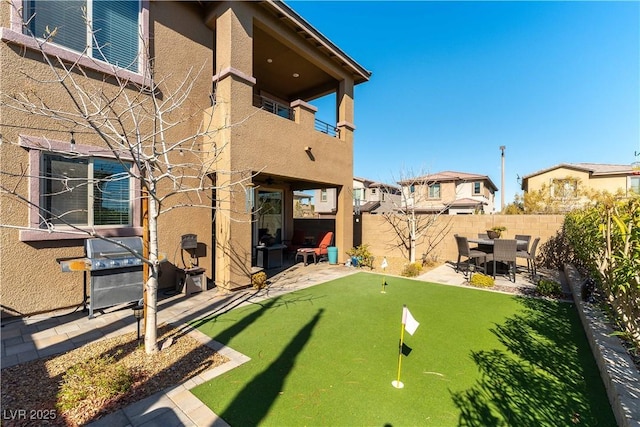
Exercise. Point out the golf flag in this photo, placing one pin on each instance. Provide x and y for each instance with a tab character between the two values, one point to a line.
410	324
384	263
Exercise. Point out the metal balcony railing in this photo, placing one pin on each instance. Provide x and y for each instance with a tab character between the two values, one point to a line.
273	107
282	110
327	128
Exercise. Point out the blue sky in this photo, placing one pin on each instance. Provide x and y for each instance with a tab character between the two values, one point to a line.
554	82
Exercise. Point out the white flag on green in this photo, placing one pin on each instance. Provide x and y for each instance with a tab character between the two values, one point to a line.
410	324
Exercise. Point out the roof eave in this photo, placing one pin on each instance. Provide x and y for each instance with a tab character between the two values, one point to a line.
360	73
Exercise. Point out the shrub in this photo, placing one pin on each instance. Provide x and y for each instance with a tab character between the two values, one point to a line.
362	254
548	287
259	280
480	280
412	270
93	380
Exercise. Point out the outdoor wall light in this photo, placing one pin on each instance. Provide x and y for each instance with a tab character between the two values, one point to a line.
72	143
296	75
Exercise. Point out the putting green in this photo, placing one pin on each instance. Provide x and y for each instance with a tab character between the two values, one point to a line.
327	355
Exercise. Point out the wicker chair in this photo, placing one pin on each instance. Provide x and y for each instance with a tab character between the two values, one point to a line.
470	254
524	238
505	250
530	256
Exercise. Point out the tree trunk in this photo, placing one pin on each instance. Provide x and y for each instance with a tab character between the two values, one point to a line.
151	322
412	247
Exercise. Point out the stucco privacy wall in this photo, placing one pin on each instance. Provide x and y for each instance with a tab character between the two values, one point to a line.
383	241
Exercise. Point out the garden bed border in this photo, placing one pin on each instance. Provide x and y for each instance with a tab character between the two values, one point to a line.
619	374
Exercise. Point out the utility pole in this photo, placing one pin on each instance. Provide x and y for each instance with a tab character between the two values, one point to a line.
502	147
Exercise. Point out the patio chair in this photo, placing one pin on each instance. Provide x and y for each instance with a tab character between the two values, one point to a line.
505	250
325	240
484	248
470	254
530	256
525	238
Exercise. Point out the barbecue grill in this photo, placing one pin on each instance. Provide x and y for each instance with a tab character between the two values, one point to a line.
115	272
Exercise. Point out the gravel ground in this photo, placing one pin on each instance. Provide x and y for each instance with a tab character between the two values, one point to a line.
33	386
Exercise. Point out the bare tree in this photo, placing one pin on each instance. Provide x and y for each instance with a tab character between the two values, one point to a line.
135	125
411	221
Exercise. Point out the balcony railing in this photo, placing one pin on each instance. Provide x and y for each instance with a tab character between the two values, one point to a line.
285	111
273	107
325	127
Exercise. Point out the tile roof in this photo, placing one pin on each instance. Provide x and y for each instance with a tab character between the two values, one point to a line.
446	176
592	168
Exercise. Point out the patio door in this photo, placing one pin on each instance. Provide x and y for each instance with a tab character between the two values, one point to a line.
268	217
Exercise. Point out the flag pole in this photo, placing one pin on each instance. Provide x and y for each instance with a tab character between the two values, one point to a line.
384	278
397	383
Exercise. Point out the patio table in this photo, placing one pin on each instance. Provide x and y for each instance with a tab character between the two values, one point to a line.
486	245
490	242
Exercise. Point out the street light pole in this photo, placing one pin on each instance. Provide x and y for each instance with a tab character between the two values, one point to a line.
502	148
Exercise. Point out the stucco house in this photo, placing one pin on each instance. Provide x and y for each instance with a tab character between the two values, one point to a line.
450	192
261	65
368	196
570	180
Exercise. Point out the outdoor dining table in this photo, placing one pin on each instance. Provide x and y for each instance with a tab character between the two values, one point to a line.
488	243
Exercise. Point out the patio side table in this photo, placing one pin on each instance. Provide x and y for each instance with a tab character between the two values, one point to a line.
304	253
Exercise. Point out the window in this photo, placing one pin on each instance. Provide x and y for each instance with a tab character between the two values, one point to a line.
323	195
477	188
85	192
358	193
634	184
566	188
115	27
373	191
434	191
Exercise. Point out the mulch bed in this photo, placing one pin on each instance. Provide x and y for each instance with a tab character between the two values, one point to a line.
29	390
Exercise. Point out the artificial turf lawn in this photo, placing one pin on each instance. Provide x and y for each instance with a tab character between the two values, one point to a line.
327	355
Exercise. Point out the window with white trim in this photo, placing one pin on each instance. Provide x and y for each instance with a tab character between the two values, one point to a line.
434	191
323	195
112	36
477	188
86	191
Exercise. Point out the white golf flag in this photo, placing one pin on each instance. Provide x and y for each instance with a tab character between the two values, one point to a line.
384	263
410	324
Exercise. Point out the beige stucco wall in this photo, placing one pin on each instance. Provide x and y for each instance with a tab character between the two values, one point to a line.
30	278
383	242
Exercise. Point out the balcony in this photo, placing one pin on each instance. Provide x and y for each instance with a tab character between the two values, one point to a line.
289	113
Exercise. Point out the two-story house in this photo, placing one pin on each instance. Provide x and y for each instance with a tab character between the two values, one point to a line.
368	196
570	183
449	192
249	69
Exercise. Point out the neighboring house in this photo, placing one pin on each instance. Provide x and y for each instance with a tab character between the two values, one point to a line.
302	206
570	180
262	64
449	192
368	196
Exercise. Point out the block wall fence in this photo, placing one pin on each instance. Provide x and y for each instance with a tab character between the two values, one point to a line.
383	241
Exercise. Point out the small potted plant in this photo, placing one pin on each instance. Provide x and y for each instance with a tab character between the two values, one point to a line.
496	232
